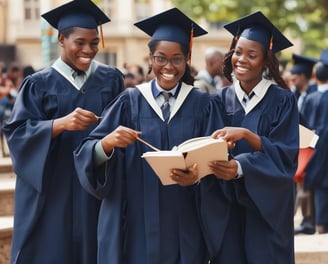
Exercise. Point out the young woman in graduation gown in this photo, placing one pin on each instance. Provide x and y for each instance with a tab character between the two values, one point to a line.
55	219
141	220
264	140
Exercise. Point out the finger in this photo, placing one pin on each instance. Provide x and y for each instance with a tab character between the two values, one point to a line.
231	144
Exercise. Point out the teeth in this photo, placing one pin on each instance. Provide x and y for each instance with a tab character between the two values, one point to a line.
166	75
241	68
85	60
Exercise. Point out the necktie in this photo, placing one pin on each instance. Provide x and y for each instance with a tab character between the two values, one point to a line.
78	77
213	83
166	105
247	98
300	101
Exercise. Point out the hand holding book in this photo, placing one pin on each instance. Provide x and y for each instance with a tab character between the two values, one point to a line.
200	151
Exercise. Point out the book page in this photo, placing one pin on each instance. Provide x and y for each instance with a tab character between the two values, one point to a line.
211	151
195	143
308	138
163	161
199	150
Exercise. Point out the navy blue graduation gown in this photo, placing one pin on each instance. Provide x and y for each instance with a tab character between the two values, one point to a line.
55	218
261	203
310	111
311	89
317	112
316	173
142	221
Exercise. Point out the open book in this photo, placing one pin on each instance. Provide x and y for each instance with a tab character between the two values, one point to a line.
308	138
308	141
201	150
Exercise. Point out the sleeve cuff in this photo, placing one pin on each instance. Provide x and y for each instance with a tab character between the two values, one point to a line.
239	171
100	155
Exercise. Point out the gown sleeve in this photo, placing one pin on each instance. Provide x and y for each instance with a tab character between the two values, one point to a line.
98	180
268	175
27	129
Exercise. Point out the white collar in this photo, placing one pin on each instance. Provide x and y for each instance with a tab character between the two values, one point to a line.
259	90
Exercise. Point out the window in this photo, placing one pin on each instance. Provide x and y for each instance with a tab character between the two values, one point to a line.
107	7
143	8
31	9
109	58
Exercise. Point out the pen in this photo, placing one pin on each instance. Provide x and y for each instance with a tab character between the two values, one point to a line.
147	144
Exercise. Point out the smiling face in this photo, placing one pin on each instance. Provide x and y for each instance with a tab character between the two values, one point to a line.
248	62
170	74
79	47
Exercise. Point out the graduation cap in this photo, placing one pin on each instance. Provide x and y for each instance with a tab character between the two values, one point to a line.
77	13
258	27
324	56
302	64
171	25
321	68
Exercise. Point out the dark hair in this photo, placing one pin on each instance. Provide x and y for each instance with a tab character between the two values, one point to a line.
187	76
273	71
28	70
321	71
66	32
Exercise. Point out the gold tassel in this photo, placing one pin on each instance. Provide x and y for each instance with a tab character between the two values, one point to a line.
102	36
190	43
271	43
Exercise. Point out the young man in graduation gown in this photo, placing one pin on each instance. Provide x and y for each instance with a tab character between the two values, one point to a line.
55	219
261	119
141	220
303	85
301	78
316	176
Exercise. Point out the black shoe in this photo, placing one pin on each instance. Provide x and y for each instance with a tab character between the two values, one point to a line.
304	230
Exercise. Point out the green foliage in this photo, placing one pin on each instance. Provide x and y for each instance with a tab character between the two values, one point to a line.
302	19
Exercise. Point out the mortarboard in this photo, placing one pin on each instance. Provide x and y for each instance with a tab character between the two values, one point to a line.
302	64
171	25
259	28
324	56
77	13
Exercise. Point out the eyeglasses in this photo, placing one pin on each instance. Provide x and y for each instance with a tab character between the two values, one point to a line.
175	61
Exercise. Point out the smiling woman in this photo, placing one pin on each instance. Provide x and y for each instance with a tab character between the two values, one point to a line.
258	180
152	223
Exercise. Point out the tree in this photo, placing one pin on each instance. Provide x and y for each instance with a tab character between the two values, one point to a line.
304	20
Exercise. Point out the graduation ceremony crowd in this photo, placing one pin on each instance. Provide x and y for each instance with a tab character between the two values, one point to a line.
83	193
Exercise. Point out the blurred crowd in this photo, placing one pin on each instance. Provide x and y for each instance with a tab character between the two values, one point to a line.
11	77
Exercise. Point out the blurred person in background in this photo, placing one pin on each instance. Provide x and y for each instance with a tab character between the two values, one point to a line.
302	86
315	112
211	78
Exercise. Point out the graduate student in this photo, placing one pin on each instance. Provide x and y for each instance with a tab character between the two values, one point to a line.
55	219
315	109
142	221
301	78
261	119
303	86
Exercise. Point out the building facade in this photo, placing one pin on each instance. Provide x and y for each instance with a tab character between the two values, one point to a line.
31	41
